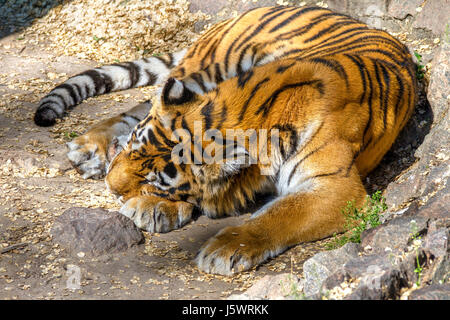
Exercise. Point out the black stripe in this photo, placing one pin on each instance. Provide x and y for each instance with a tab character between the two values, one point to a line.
386	96
225	33
199	80
293	17
283	68
152	138
291	175
79	91
208	53
265	107
335	65
151	78
124	114
96	78
167	63
324	175
369	98
223	116
56	95
168	142
400	93
241	57
218	74
133	70
170	170
337	40
272	11
362	75
187	95
230	48
107	83
207	111
184	187
184	125
70	90
261	26
380	85
243	78
303	29
252	94
329	30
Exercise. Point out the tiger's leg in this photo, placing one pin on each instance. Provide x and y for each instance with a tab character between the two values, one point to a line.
312	212
88	153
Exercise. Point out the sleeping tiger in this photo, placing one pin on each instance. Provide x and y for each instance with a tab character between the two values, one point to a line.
336	91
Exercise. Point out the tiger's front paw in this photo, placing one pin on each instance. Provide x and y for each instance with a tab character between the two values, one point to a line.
234	249
156	214
90	153
87	157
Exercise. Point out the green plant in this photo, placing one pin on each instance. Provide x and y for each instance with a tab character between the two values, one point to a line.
70	135
417	242
420	68
291	289
359	219
97	39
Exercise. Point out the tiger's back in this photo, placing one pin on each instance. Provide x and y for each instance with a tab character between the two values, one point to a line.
375	69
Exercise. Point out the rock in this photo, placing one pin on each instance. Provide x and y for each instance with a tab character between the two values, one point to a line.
439	87
400	9
437	248
433	16
436	243
395	234
279	287
378	276
437	207
224	9
433	292
371	12
429	175
319	267
95	231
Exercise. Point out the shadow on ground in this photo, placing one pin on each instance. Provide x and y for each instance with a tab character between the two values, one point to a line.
402	154
16	15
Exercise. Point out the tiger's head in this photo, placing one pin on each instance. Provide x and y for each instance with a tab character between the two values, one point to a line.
162	157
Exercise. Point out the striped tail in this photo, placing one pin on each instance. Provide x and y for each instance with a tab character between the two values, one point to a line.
145	72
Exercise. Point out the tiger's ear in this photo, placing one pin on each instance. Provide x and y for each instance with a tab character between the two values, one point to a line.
175	92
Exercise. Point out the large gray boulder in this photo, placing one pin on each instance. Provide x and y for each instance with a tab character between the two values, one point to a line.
95	231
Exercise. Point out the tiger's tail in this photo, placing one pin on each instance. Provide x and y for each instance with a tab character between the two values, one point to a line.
115	77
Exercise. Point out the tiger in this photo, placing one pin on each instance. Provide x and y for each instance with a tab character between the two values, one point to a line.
335	91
